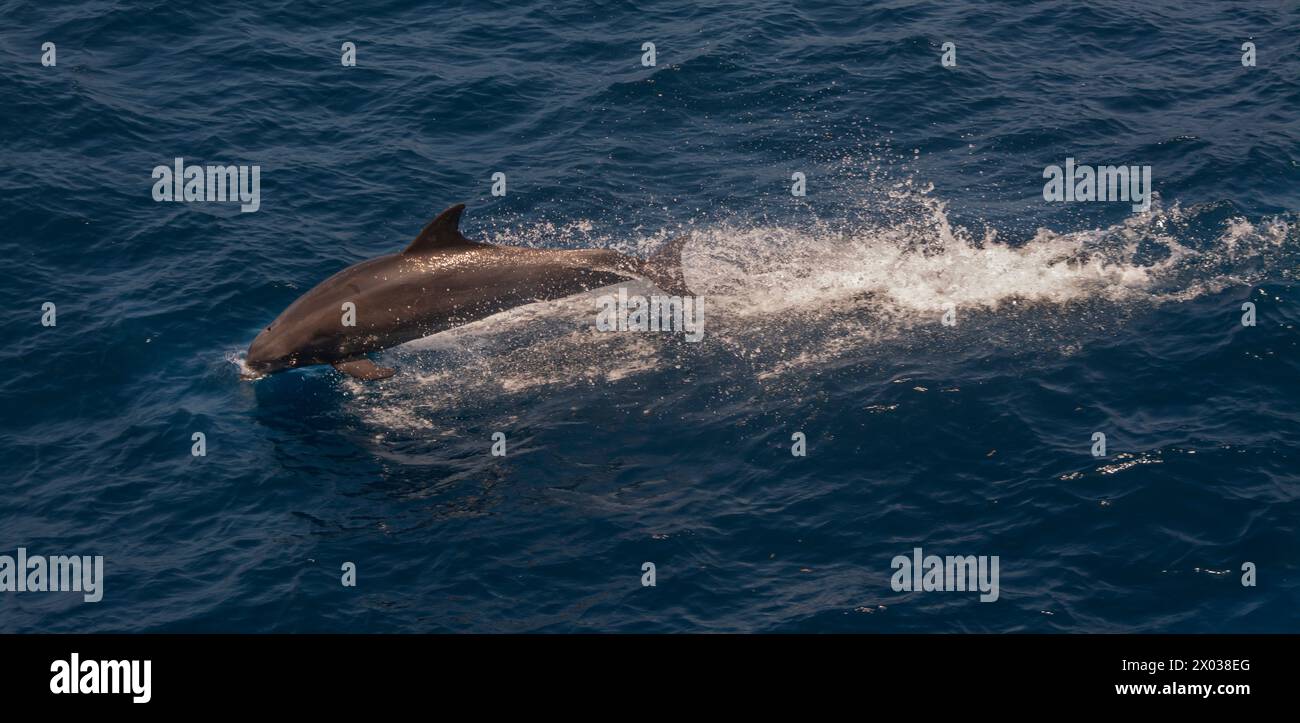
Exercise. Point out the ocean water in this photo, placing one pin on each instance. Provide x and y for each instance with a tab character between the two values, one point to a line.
823	312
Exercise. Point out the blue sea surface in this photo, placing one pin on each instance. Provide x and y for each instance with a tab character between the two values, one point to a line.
824	315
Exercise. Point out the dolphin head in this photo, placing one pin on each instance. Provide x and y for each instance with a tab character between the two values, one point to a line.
273	350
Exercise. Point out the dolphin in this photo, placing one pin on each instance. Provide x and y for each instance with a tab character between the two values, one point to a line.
440	281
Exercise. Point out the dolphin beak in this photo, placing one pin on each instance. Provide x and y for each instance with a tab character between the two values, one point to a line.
255	364
252	371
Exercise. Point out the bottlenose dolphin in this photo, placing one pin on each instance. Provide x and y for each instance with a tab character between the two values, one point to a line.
442	280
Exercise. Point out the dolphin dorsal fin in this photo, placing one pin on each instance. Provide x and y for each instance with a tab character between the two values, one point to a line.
441	231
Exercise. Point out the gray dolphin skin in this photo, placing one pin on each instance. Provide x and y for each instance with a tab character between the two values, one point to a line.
442	280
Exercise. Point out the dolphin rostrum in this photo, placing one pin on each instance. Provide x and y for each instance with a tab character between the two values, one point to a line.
442	280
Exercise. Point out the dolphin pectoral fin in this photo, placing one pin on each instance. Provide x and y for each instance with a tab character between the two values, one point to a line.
364	369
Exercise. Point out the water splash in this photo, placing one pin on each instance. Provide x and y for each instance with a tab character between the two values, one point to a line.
782	299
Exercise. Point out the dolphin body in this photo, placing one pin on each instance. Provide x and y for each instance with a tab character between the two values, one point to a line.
442	280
